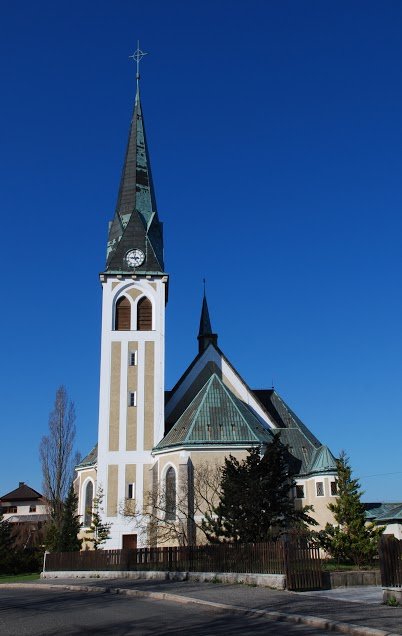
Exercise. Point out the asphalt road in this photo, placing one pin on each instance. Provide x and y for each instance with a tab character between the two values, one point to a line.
42	612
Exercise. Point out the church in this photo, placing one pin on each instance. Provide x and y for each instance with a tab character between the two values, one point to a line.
152	440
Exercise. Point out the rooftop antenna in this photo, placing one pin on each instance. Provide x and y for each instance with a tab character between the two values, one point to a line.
137	57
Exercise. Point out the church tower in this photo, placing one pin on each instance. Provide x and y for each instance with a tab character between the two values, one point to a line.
134	288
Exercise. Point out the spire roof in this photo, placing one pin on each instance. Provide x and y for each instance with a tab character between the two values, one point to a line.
205	335
135	223
205	321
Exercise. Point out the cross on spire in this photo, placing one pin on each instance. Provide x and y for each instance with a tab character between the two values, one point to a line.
137	57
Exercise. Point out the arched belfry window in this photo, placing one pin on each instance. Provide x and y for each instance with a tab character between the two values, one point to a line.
144	314
123	315
170	493
89	498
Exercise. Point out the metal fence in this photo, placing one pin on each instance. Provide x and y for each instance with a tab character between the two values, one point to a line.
295	557
390	561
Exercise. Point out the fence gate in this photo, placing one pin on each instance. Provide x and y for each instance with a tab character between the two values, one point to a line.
302	564
390	561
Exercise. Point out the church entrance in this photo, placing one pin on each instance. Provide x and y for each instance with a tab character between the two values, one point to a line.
129	541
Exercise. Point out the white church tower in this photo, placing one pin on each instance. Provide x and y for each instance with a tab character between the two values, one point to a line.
134	286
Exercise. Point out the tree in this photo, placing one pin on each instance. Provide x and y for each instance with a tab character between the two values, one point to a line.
197	494
256	500
70	524
352	540
56	455
99	531
6	543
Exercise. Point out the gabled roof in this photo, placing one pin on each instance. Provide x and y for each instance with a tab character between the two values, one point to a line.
215	417
135	223
23	492
90	459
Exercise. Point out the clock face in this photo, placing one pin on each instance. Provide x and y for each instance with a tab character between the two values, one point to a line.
135	258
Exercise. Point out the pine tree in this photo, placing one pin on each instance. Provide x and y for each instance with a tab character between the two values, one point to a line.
255	502
99	531
70	524
352	540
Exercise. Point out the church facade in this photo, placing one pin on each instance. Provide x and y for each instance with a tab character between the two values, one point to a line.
152	441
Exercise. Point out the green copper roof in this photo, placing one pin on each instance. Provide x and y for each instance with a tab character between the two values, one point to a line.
135	223
215	416
394	513
323	461
90	459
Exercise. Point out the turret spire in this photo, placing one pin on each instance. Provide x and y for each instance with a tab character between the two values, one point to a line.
205	335
136	227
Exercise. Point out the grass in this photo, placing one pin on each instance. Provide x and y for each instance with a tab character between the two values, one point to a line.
18	578
332	566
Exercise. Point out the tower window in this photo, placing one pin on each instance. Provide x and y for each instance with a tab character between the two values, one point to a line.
299	491
320	488
170	492
334	488
144	315
133	359
89	496
131	491
123	314
132	398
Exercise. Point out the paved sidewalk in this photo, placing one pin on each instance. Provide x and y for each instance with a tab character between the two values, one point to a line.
360	610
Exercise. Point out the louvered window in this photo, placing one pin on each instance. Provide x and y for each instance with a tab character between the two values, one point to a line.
144	315
123	314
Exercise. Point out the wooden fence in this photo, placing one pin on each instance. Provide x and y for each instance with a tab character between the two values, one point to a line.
297	558
390	561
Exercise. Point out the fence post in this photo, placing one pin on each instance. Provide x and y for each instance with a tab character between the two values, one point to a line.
44	561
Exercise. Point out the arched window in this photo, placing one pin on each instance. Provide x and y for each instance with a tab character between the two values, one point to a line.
144	315
123	314
170	490
89	497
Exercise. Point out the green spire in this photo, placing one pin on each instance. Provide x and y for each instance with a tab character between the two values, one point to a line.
135	223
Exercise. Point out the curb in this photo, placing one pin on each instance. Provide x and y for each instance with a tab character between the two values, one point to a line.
312	621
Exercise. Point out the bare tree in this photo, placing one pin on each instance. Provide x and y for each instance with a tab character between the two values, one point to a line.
56	454
159	522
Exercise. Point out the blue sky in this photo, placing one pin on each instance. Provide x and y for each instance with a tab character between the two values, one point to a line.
274	129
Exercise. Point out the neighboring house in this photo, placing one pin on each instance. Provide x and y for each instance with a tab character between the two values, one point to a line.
386	514
26	509
149	439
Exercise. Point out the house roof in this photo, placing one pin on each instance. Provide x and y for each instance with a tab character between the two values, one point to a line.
215	416
90	459
383	512
23	492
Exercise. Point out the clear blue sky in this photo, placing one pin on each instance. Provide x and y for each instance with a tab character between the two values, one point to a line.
275	132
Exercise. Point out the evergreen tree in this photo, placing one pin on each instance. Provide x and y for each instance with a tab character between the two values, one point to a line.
99	531
6	544
255	501
352	540
70	524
